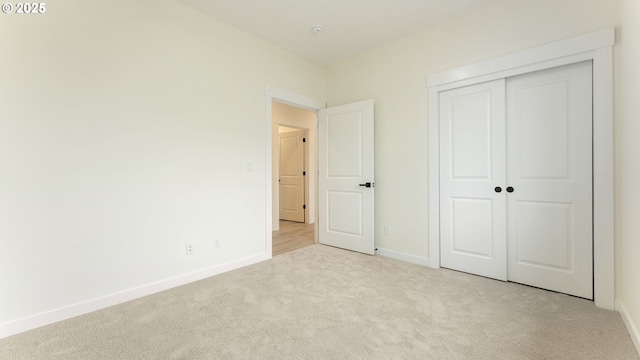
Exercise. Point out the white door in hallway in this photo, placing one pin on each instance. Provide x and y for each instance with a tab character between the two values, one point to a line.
346	184
292	199
516	179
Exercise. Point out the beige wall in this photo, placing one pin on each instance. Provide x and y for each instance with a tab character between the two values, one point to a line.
627	177
127	128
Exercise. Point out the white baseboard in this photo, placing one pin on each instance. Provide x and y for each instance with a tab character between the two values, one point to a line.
403	257
67	312
631	326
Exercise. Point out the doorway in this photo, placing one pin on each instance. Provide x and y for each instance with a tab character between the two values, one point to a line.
279	99
294	200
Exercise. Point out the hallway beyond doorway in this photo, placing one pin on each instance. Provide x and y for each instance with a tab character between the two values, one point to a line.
292	236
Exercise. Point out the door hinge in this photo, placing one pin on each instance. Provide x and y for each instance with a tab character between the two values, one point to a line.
304	207
304	139
304	173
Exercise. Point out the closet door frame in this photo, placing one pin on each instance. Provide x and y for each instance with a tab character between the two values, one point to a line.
597	47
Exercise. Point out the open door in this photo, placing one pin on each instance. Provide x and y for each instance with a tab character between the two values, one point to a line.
346	184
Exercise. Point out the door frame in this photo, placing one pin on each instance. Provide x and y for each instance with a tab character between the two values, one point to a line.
597	47
272	93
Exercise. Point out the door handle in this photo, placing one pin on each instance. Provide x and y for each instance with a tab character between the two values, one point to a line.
498	189
510	189
367	184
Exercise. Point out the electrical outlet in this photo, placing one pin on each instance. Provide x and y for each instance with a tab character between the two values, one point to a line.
387	230
189	248
217	243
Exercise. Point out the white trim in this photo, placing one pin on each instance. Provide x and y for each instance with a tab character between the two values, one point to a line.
603	180
418	260
293	99
268	173
596	46
434	179
272	93
566	60
634	332
555	50
67	312
275	173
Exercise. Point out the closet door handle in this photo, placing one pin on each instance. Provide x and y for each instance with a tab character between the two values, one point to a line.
498	189
510	189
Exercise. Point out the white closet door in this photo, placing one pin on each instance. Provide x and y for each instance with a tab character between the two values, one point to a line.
472	148
549	167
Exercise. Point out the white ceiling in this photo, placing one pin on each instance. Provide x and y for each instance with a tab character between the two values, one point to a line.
351	27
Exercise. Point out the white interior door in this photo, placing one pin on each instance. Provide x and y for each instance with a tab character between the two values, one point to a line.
292	199
549	168
346	192
472	148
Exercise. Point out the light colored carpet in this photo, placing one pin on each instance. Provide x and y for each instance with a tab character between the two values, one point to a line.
324	303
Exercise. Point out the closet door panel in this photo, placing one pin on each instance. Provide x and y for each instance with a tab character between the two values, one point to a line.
549	167
472	148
